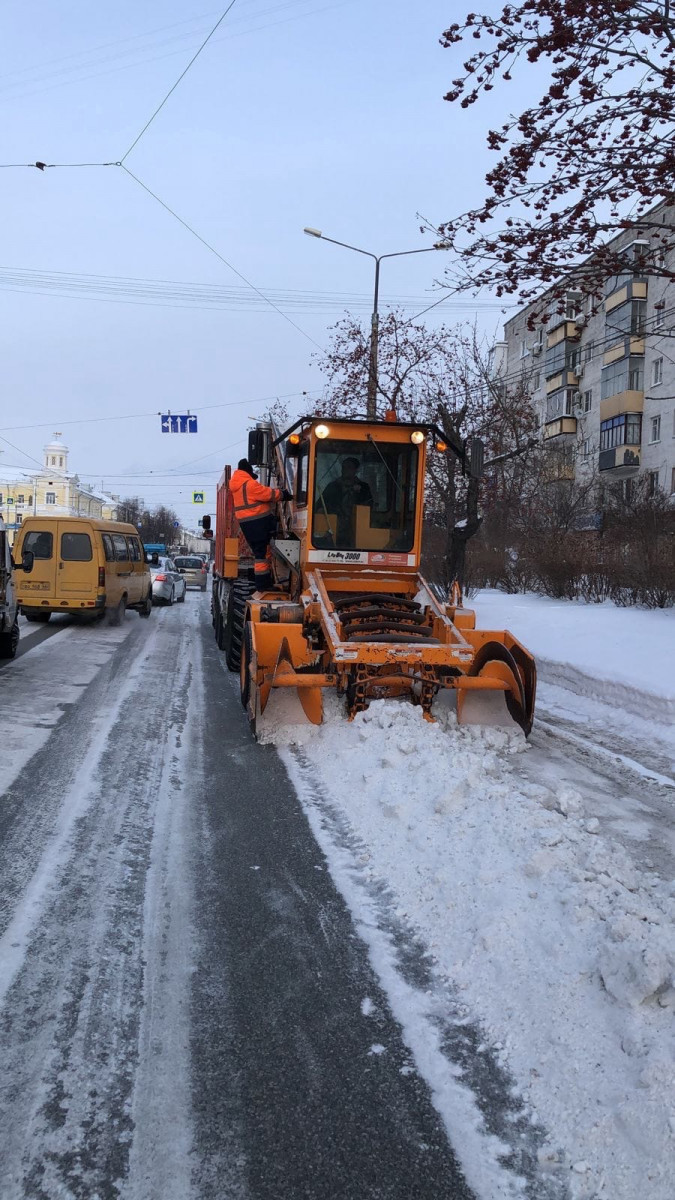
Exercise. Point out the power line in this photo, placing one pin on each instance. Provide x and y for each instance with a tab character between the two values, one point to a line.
160	292
194	58
135	416
220	256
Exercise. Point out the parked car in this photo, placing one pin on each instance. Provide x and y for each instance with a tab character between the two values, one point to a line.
193	569
82	566
168	585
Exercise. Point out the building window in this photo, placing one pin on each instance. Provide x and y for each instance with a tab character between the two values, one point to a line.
572	305
653	482
672	482
628	318
587	447
559	403
624	375
657	372
588	400
659	316
1	500
660	258
21	499
624	430
18	518
50	497
30	498
523	348
53	460
655	429
536	380
588	352
60	460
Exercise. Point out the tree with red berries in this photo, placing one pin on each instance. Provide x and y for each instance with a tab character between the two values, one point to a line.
591	159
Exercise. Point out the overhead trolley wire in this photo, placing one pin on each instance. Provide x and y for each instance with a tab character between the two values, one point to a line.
219	256
134	416
194	58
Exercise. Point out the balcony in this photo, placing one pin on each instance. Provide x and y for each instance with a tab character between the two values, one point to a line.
565	331
624	460
560	426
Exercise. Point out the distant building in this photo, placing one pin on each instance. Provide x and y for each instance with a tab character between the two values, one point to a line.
602	374
52	491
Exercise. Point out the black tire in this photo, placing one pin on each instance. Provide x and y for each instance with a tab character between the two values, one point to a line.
146	608
239	593
181	598
37	617
220	631
9	641
118	614
244	673
172	598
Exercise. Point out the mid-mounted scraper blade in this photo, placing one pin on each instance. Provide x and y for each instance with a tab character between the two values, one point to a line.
514	701
284	702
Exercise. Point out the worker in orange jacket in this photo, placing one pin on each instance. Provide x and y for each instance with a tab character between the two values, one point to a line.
254	510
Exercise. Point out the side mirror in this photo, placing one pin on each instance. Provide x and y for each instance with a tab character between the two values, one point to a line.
27	561
256	448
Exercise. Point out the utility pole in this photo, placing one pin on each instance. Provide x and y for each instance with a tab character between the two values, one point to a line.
371	401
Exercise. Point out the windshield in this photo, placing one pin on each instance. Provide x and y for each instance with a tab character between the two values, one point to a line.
364	495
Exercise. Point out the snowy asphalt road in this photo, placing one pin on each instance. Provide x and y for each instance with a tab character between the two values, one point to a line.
186	1008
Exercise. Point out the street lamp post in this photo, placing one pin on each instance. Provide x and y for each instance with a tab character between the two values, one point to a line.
371	405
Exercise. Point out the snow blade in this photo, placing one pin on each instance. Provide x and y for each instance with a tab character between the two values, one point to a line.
509	689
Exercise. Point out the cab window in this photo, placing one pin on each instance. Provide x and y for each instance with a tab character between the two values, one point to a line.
40	543
120	544
108	548
134	549
301	484
364	495
76	547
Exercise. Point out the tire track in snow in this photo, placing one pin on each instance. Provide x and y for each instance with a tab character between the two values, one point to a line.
495	1141
72	1024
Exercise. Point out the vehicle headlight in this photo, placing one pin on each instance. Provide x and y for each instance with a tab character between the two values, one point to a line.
416	437
322	431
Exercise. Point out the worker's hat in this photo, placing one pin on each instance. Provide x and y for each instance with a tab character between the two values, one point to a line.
244	465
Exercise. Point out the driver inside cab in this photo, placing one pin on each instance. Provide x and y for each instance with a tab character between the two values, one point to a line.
341	498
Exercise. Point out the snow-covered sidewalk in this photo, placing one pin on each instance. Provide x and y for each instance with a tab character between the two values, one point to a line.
550	939
610	654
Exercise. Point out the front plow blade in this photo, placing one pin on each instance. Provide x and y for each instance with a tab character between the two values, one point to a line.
499	688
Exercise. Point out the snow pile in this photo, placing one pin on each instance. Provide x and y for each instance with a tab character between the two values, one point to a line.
561	951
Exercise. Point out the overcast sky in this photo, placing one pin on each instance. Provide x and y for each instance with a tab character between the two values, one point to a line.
298	112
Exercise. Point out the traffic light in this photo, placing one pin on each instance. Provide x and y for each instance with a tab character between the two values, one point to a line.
206	526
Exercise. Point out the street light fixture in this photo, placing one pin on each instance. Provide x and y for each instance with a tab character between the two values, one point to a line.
371	406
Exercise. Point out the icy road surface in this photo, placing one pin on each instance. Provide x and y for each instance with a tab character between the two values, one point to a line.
437	965
186	1007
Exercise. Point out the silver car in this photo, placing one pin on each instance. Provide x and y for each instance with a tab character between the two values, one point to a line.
168	585
193	570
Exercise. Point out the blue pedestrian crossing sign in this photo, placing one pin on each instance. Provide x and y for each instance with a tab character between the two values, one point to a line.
197	497
178	423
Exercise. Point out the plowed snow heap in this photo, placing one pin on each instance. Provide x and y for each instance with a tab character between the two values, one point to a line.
350	609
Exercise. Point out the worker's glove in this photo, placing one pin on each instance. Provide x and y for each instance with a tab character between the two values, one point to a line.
286	495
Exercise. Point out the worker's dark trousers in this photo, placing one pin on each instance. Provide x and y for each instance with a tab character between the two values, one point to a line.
258	532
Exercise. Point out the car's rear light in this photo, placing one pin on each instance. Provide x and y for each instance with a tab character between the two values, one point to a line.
101	577
160	578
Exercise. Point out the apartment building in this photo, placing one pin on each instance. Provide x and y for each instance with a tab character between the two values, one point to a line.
602	373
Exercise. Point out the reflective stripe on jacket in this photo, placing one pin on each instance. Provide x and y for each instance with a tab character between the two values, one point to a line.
251	499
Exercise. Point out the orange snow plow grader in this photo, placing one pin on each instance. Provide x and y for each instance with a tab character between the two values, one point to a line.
349	609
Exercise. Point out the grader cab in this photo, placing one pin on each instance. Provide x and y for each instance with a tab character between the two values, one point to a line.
350	609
